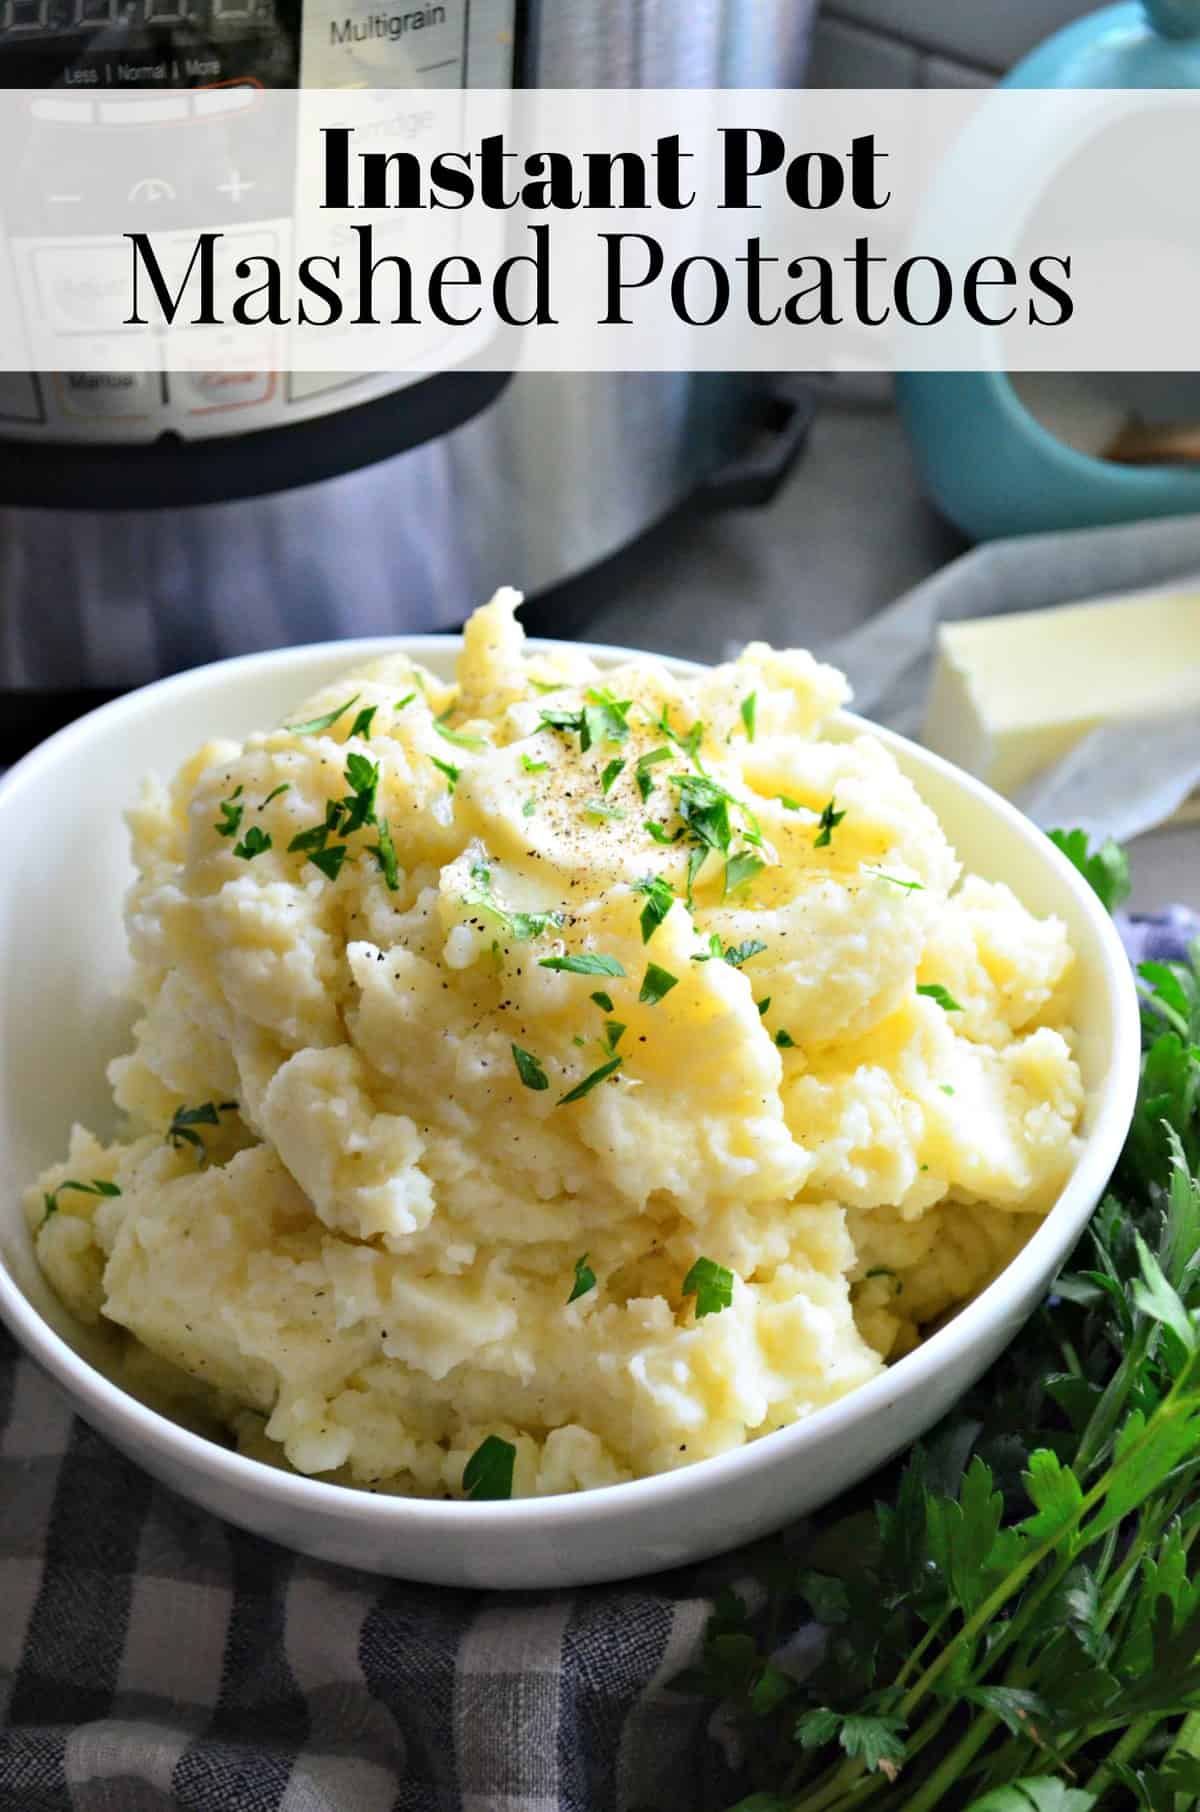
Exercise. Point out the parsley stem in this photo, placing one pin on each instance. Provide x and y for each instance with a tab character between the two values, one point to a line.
1135	1735
953	1764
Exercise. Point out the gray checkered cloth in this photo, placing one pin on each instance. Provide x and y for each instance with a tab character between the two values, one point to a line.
152	1658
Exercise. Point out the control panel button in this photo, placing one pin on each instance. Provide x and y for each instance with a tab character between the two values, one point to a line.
206	392
104	394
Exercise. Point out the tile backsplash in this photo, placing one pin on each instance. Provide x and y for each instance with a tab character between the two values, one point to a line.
929	43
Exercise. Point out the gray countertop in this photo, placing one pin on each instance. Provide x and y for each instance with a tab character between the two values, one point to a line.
847	534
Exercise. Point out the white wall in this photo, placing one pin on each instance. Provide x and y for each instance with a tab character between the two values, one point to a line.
929	43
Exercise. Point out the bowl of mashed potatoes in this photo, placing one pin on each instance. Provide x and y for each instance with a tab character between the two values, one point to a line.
516	1113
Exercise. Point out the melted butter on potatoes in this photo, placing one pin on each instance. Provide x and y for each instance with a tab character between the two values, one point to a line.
453	995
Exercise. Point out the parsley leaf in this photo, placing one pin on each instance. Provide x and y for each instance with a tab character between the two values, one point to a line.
749	710
642	775
185	1120
604	1002
447	768
488	1474
529	1069
829	821
881	874
318	835
231	815
329	861
1105	869
943	997
585	1279
255	843
659	897
605	718
610	774
659	834
784	1040
712	1286
97	1186
789	804
315	725
533	767
614	1031
274	793
656	983
734	954
460	738
741	868
569	721
585	963
406	700
522	927
596	808
362	777
704	808
362	723
384	853
589	1082
529	807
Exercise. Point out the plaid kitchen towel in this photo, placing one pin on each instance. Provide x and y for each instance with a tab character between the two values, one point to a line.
153	1659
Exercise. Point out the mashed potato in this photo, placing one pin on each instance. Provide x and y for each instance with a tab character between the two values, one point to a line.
604	1062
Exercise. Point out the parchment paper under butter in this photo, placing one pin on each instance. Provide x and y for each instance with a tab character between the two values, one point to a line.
1116	782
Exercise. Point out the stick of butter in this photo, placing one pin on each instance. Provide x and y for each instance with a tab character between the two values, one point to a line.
1011	695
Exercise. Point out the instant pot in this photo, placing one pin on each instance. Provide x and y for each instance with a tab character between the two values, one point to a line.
150	521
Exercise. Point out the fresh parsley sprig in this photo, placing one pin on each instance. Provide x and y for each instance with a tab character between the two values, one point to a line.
1016	1626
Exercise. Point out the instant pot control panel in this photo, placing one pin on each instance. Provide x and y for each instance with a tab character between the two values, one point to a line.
123	65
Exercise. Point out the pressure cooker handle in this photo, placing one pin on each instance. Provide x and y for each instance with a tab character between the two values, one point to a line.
755	476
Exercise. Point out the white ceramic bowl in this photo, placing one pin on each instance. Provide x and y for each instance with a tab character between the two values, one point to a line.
63	964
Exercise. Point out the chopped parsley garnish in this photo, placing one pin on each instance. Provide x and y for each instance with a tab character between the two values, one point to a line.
586	963
449	770
97	1186
763	1004
605	718
589	1082
712	1286
569	721
231	815
184	1121
362	723
529	1069
749	710
733	954
541	685
362	777
604	1002
274	794
943	996
318	835
585	1279
533	767
460	738
596	808
659	897
255	843
384	853
704	808
690	743
520	926
642	774
896	880
610	774
406	700
827	824
488	1474
659	834
789	804
529	807
656	983
696	859
329	861
946	1088
742	868
315	725
614	1031
784	1040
